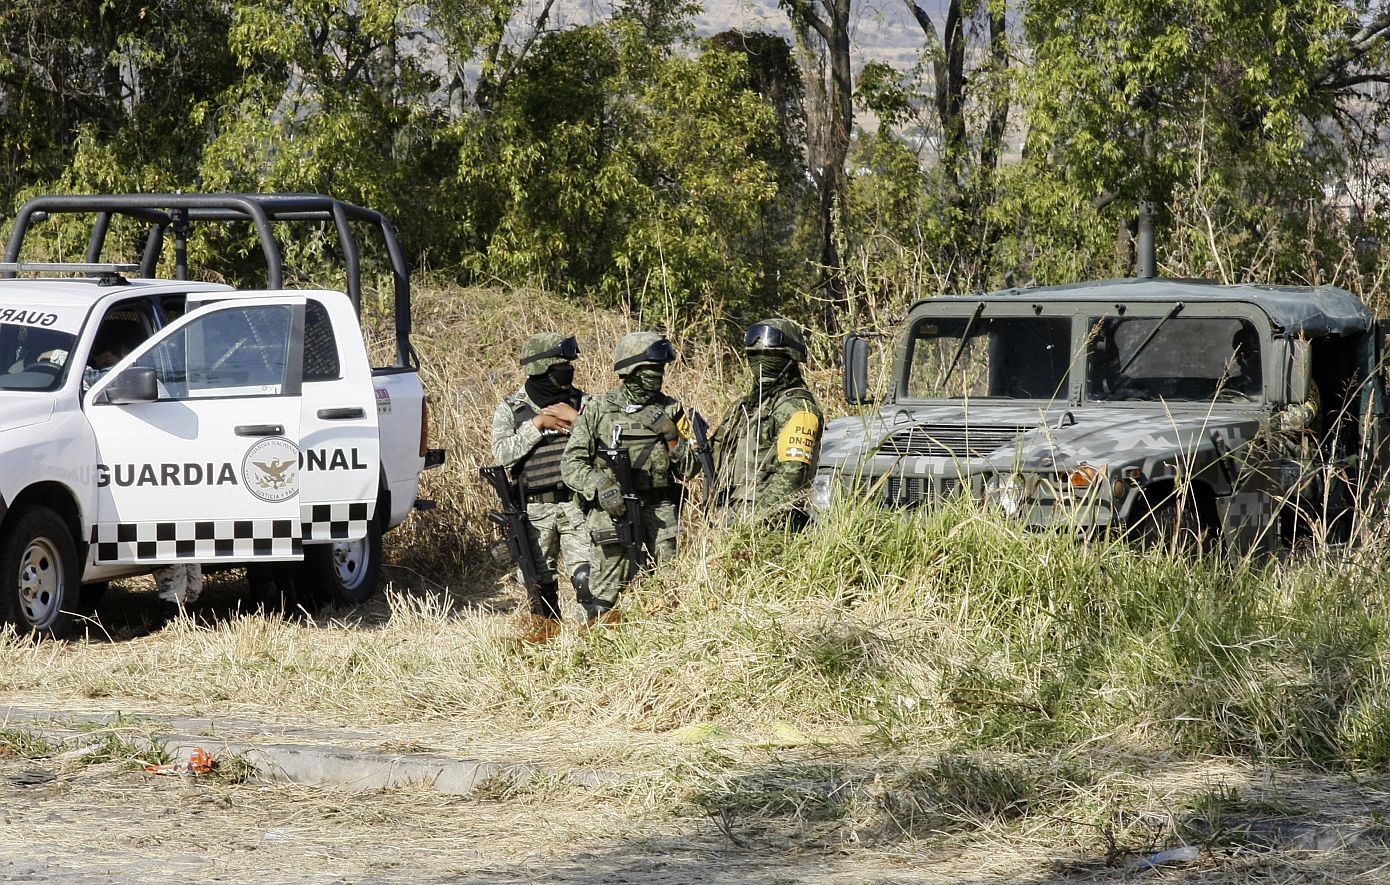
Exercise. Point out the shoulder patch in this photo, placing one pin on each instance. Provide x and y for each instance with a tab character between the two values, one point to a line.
798	438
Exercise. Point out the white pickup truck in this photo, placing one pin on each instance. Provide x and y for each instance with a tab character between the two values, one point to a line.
145	422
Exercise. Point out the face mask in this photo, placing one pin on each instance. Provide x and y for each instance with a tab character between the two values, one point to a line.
767	367
645	383
562	374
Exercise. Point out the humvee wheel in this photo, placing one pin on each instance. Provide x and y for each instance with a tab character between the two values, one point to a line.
1174	524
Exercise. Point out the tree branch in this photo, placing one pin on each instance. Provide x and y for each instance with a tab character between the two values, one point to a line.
1362	42
806	12
1356	80
521	54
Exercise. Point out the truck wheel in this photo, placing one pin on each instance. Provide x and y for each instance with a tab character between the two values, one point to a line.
345	572
39	577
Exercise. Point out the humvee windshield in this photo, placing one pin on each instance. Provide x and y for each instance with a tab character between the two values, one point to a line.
32	358
1004	357
1178	358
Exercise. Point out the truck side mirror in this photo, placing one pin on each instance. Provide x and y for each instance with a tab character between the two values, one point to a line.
856	362
135	385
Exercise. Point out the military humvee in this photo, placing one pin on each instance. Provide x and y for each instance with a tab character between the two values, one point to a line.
1162	407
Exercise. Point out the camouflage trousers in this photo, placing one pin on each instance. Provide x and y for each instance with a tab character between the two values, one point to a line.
181	583
660	522
557	530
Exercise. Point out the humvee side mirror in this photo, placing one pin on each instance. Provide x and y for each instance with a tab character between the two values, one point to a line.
135	385
856	362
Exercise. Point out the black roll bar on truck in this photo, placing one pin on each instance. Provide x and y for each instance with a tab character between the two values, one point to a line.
179	212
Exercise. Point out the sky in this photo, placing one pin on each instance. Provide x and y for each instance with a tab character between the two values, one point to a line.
882	30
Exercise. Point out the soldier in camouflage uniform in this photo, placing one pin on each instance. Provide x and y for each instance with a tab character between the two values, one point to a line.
766	446
645	422
529	432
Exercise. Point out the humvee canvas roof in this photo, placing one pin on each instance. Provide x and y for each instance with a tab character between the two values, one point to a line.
1295	310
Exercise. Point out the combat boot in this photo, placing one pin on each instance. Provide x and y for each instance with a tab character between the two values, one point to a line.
537	630
600	613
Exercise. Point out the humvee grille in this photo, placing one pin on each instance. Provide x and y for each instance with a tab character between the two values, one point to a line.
912	491
953	440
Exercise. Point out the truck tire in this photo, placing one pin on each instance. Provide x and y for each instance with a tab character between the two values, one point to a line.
39	577
344	572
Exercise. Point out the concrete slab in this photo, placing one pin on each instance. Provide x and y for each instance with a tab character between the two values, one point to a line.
322	757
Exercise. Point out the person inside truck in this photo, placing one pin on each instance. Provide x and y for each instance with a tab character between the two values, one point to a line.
114	340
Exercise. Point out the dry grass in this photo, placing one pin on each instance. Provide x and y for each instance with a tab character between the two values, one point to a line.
1081	703
469	340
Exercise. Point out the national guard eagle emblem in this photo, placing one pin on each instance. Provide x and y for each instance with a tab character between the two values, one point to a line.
271	469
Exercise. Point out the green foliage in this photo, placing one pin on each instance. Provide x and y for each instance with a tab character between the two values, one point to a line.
1226	113
614	166
627	162
121	80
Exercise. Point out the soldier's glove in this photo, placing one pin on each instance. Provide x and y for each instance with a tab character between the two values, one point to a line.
662	425
610	498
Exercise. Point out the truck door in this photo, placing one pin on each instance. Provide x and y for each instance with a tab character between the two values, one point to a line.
338	425
203	465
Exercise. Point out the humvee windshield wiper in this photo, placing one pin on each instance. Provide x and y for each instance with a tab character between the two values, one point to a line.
960	348
1174	311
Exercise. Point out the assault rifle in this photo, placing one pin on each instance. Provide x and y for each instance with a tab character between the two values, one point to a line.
514	522
699	427
629	525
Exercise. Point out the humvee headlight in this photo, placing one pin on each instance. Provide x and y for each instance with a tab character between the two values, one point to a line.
823	491
1006	491
1084	477
1130	477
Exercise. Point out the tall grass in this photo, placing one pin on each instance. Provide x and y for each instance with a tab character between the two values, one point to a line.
950	627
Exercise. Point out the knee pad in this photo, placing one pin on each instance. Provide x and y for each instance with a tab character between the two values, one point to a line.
580	580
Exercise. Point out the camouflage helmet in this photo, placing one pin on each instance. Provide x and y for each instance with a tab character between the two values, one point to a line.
638	349
545	349
776	335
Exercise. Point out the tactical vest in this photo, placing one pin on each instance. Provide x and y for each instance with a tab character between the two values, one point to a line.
647	451
539	469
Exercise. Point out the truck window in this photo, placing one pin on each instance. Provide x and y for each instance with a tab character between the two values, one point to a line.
32	358
243	352
1004	357
1177	359
320	346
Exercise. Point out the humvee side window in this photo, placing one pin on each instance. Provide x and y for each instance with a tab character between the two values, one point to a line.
1005	357
1179	359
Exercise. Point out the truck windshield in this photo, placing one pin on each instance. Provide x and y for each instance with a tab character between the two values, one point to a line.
32	358
1184	359
1005	357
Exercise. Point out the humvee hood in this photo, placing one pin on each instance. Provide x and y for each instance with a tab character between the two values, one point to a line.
1009	438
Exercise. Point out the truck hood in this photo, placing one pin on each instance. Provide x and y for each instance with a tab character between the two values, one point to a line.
23	409
1008	438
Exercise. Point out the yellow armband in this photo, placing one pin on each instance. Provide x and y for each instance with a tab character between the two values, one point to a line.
797	441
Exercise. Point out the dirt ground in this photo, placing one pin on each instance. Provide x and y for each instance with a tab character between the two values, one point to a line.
72	822
68	824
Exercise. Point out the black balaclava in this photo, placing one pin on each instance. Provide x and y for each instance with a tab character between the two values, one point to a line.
555	385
